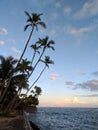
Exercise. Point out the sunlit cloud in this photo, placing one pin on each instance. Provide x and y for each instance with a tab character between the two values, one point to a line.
91	85
74	101
90	8
3	31
69	83
57	5
67	10
54	76
1	43
79	72
15	50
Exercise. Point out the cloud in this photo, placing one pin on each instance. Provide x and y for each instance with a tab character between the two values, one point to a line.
1	43
53	32
78	32
54	16
15	50
67	10
54	76
57	5
3	31
91	95
89	9
95	73
12	41
80	72
70	83
73	101
91	85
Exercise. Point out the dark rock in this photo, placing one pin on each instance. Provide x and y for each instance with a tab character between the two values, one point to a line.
34	126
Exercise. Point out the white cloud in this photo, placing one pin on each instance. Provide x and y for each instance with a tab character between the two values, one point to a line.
67	10
12	41
80	31
90	8
1	43
3	31
79	72
15	50
57	5
54	16
53	32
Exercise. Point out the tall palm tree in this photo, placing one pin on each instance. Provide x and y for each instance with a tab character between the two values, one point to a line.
47	61
45	43
33	21
7	66
35	48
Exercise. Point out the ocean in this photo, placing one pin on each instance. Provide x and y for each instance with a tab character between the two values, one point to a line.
48	118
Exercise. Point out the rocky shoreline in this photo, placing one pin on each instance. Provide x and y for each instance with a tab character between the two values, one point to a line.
19	122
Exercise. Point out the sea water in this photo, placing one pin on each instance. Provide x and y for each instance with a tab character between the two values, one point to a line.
65	118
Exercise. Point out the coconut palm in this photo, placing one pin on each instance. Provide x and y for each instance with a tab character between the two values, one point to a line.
47	61
33	21
36	50
7	67
45	43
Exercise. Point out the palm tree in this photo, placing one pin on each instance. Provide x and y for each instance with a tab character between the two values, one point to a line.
7	67
45	43
47	61
35	48
20	84
33	21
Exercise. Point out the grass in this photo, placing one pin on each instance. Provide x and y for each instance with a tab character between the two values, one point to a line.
7	115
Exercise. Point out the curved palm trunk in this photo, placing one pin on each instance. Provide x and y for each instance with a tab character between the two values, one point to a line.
32	85
26	45
3	95
33	58
37	62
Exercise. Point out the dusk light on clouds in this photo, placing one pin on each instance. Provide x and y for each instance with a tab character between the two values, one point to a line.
73	24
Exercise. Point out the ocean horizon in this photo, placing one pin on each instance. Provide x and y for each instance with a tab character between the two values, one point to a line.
65	118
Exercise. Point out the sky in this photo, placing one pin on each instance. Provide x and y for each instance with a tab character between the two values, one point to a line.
73	24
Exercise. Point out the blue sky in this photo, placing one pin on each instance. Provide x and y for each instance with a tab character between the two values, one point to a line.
73	80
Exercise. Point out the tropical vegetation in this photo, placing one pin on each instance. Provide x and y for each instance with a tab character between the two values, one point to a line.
15	74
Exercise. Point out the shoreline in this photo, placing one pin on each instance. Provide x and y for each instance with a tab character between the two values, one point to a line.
19	122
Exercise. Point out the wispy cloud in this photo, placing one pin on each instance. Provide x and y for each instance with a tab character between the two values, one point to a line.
54	16
53	32
91	85
57	5
79	72
3	31
1	43
90	8
69	83
91	95
67	10
12	41
95	73
54	76
15	50
78	32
